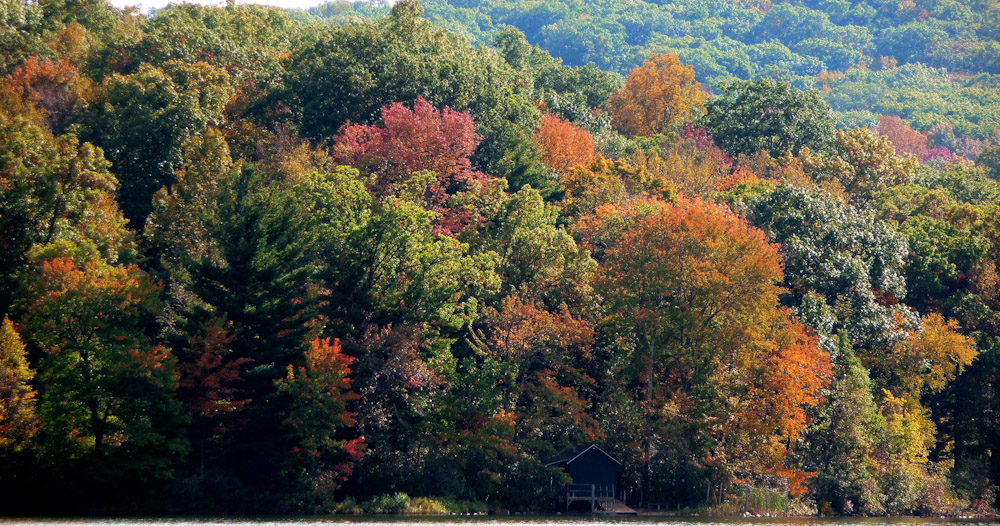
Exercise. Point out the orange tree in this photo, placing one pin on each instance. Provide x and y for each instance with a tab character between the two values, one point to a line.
657	95
720	370
564	145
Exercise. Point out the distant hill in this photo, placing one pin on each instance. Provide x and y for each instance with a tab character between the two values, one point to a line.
931	62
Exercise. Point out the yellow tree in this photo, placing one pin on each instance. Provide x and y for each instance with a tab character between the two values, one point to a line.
930	358
17	400
695	170
861	162
605	182
657	95
924	363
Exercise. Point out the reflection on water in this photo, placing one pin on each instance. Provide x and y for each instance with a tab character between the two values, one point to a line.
496	521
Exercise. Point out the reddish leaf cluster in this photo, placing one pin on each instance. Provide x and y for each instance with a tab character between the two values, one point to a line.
940	153
207	384
410	141
905	139
703	140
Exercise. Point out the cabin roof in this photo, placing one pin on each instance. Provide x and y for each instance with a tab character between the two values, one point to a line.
568	456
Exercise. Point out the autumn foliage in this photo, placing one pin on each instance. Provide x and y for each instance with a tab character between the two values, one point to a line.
692	163
256	262
18	421
564	145
740	176
321	390
932	357
413	140
209	382
86	318
697	288
658	95
50	88
904	139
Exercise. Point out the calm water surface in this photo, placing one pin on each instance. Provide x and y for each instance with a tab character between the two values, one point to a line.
494	521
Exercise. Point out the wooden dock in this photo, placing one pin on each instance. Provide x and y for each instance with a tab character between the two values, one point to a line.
618	508
600	497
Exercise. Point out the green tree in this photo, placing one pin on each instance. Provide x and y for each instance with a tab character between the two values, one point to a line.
354	70
581	88
53	189
248	40
142	121
533	338
91	14
108	389
321	457
584	40
21	33
943	254
768	115
235	251
398	294
843	443
990	160
538	258
844	254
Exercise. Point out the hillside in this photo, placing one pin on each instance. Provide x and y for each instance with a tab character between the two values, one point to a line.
366	259
933	63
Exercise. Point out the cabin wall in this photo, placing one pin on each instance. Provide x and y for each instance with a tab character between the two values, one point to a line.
593	467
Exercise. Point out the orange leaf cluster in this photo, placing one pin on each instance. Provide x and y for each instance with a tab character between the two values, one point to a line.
564	145
741	176
48	89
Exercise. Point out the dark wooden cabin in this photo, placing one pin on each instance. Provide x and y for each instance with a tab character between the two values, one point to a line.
594	474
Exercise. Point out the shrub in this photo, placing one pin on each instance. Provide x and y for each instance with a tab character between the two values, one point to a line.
426	506
387	504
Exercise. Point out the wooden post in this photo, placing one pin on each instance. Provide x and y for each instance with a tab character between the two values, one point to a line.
787	501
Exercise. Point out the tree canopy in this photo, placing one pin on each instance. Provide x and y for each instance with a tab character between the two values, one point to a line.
380	257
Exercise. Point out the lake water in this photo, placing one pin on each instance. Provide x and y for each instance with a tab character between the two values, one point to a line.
495	521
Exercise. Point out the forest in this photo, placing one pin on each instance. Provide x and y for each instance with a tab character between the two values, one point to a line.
385	258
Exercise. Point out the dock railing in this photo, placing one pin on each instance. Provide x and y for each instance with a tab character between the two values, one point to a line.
598	495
